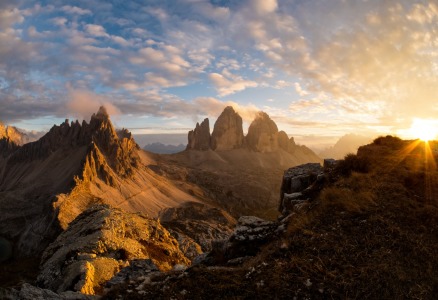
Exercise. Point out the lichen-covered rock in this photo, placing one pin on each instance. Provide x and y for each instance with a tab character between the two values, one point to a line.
262	134
199	138
228	132
98	243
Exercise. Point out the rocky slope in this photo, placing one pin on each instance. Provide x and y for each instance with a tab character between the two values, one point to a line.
99	243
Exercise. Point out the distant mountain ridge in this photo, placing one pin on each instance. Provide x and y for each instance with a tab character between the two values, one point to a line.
161	148
348	143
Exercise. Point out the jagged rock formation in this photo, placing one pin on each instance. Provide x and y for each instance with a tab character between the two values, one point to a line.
199	138
241	174
262	134
196	226
228	132
45	184
101	241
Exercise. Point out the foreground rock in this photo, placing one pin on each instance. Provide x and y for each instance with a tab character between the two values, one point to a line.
30	292
101	241
196	226
298	185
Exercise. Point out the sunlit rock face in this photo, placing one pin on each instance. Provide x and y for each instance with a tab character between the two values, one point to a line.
262	134
99	243
228	132
10	140
199	138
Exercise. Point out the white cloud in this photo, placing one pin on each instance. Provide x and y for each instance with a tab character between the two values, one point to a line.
59	21
96	30
75	10
264	6
300	90
227	83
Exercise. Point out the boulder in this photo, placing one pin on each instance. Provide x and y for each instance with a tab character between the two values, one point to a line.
262	134
228	132
298	185
199	138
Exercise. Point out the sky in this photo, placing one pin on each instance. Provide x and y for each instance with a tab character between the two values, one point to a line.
319	68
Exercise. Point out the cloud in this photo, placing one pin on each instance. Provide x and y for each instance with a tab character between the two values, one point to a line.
264	6
96	30
83	103
228	83
75	10
300	90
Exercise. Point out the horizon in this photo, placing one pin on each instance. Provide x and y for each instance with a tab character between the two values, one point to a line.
320	71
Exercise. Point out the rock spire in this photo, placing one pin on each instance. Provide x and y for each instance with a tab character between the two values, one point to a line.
227	133
199	138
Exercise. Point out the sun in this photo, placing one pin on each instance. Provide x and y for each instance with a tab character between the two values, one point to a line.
425	130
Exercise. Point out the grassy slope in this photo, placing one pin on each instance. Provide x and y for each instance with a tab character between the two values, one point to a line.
370	235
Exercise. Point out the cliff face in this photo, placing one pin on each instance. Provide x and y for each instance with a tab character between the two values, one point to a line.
262	134
227	133
10	139
199	138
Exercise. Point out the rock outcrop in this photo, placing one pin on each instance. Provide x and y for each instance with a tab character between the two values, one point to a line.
228	132
199	138
196	226
262	134
101	241
303	183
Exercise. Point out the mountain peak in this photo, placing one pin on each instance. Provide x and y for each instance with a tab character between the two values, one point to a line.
102	113
228	132
262	134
